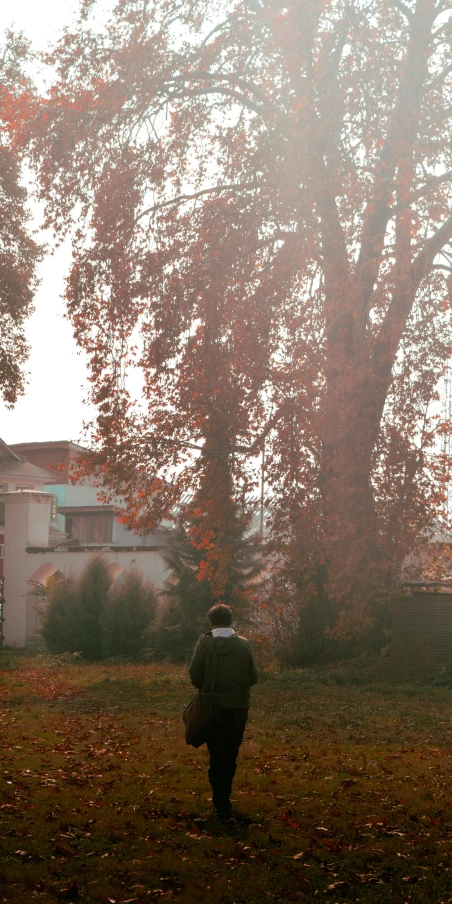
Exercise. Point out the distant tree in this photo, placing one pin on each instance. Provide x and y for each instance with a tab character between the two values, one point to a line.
267	189
89	615
19	252
71	621
60	617
130	608
93	588
189	592
186	599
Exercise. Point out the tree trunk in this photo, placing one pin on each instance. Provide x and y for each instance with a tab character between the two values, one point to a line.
353	409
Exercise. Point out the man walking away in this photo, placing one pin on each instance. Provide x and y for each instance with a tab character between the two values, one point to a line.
235	674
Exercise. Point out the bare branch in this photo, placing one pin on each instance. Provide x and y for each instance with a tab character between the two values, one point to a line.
250	450
173	441
241	83
181	199
260	439
218	28
431	183
226	92
439	78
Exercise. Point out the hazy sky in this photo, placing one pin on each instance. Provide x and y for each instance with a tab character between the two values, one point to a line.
52	408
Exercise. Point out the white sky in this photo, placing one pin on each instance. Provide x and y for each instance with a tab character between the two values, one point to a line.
52	408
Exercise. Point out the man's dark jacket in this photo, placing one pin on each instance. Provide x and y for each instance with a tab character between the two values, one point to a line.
236	671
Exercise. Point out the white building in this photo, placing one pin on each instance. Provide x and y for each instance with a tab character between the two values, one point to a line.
51	526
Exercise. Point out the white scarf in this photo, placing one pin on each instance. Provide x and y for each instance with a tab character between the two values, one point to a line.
222	632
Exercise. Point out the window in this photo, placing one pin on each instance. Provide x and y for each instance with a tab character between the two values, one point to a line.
53	508
2	551
91	528
24	488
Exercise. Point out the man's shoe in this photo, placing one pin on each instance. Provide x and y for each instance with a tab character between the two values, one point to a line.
223	812
240	817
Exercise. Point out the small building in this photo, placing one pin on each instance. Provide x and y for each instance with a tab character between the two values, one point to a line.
422	626
51	526
76	509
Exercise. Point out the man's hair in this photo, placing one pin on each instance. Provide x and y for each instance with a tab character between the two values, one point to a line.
220	615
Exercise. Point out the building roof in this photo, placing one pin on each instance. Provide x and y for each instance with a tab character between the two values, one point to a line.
7	451
53	444
87	509
57	457
24	469
13	465
55	534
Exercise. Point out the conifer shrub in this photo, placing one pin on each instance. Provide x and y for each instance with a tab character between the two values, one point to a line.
93	589
61	626
90	616
187	597
128	611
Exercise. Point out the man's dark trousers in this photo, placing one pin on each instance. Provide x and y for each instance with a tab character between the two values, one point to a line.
225	738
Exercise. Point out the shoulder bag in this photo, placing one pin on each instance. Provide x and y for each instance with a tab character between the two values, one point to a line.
200	713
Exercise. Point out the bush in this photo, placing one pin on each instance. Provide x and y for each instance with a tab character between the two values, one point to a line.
128	611
172	641
88	616
94	586
62	627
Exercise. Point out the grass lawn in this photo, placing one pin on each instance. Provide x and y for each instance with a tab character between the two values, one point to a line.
347	786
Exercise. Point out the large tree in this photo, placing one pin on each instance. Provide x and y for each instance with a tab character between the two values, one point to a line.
19	253
260	196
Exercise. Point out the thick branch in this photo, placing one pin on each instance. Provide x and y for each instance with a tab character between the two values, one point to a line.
424	260
394	323
404	9
401	133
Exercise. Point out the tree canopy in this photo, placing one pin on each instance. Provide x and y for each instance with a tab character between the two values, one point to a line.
259	194
18	251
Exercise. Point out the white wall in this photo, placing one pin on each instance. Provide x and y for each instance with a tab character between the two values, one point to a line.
73	561
27	516
26	524
75	494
